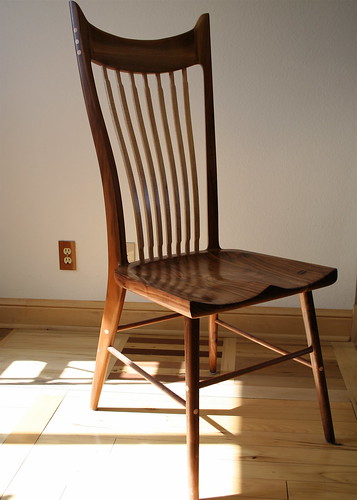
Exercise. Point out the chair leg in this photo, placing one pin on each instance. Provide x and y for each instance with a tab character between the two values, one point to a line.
312	334
110	320
212	342
192	402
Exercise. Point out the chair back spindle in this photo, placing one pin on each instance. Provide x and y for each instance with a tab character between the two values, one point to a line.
153	191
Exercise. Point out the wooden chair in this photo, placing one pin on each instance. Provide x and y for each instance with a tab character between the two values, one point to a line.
153	125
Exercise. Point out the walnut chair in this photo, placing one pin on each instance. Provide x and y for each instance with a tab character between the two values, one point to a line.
141	117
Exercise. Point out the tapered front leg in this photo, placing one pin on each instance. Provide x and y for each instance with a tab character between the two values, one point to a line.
312	334
110	320
192	327
212	342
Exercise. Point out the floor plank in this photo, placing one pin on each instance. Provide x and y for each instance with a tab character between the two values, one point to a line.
25	434
346	356
321	491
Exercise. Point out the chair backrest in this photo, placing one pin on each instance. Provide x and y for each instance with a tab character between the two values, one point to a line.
148	124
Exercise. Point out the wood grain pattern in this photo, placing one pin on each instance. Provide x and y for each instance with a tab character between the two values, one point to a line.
188	279
192	155
4	332
111	52
318	369
208	282
161	175
273	322
163	357
144	159
346	355
191	332
261	448
27	429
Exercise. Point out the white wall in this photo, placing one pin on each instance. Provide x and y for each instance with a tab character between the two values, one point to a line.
285	96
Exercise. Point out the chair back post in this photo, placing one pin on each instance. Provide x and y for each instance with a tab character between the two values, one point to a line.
112	196
203	42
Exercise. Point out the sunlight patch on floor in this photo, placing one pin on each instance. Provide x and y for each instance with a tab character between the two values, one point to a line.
78	370
23	371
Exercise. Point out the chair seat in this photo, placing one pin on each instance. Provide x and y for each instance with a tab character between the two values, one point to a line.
212	281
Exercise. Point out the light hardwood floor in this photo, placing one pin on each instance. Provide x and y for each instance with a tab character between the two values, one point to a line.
261	436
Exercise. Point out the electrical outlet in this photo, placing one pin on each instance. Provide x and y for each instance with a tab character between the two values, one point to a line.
67	255
130	250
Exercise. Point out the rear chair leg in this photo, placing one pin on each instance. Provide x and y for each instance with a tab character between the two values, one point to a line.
192	402
312	334
110	320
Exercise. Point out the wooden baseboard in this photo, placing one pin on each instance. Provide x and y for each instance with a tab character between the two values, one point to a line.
334	325
354	324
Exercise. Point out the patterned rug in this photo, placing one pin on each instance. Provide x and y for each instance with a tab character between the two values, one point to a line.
160	357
